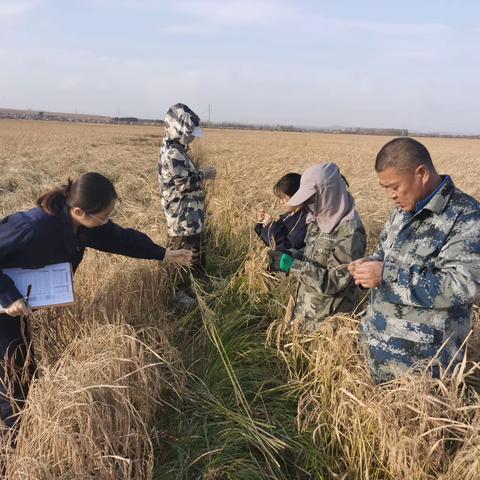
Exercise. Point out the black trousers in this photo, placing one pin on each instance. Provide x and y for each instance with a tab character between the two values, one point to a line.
17	366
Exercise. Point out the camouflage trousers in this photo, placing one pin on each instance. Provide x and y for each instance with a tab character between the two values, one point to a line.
196	244
312	309
393	357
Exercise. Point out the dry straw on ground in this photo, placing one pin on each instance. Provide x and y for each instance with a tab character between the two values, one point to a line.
414	427
90	413
105	364
102	373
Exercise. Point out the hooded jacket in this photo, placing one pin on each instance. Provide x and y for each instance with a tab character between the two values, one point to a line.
181	190
335	237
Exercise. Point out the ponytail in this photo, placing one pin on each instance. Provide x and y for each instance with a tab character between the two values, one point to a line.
53	201
92	192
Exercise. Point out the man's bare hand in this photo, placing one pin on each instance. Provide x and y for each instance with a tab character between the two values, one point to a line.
366	273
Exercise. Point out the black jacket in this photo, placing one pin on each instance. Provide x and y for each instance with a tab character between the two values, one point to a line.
286	233
33	239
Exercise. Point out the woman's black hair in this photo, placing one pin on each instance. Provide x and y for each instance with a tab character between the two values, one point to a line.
92	192
287	185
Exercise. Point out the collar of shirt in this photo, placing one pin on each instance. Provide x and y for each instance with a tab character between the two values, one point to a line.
71	238
422	203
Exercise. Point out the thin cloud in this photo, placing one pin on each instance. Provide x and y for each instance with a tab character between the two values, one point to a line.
386	28
9	9
184	29
278	15
129	4
225	12
235	12
350	70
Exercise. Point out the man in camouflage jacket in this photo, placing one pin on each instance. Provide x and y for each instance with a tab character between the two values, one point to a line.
181	187
426	273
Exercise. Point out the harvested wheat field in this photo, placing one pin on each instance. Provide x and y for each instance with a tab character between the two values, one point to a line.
128	390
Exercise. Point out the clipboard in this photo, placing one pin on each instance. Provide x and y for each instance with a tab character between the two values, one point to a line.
51	286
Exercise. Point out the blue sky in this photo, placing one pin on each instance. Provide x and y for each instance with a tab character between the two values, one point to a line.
401	64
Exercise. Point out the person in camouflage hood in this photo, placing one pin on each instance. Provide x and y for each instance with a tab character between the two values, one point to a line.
335	237
425	276
181	191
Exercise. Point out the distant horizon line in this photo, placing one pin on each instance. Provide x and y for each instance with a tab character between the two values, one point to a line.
251	125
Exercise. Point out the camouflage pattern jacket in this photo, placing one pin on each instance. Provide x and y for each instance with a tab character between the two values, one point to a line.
323	289
431	277
182	194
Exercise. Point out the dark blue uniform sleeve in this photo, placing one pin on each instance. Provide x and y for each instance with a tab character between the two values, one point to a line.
274	235
112	238
15	232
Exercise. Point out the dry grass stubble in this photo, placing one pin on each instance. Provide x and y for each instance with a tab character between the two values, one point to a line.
89	415
106	366
414	428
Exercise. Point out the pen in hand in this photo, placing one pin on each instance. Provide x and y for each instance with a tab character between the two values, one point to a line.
20	307
26	300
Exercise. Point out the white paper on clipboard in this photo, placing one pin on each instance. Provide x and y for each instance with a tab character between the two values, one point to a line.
52	285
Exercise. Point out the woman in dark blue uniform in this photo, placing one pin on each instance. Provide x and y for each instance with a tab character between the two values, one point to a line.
287	233
66	221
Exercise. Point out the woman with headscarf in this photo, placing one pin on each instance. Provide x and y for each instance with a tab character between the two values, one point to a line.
335	237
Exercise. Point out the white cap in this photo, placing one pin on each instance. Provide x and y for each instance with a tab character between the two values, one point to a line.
198	132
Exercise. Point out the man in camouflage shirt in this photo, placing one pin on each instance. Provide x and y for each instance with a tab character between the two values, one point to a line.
181	190
426	274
